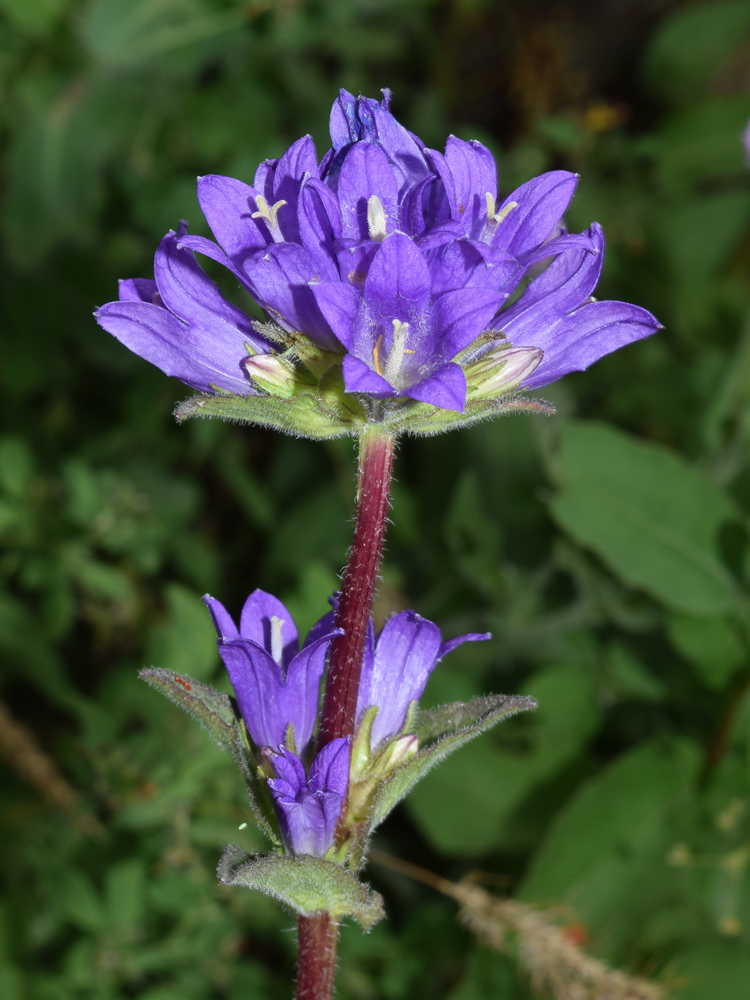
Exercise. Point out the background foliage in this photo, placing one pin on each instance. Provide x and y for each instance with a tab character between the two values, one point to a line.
606	549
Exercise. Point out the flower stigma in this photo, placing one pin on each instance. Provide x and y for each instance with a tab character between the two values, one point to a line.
269	214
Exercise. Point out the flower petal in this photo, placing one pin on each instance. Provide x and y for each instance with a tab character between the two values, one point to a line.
587	335
462	315
137	290
445	388
450	644
189	293
541	203
181	351
228	206
329	772
563	286
398	282
339	303
366	172
266	703
303	677
359	377
474	173
281	278
223	621
255	623
405	654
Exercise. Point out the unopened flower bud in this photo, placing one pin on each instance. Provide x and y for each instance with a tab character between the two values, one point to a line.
275	375
398	752
501	370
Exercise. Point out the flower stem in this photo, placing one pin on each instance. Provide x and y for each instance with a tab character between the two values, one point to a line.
316	963
318	935
358	588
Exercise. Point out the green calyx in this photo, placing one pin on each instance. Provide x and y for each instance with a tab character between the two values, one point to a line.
300	391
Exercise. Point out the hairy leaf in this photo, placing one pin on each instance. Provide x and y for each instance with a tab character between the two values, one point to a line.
305	884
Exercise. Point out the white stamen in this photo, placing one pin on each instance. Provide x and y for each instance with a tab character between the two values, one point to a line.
504	212
277	645
376	221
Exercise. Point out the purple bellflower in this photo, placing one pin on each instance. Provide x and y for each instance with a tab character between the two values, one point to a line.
396	668
308	806
746	143
385	261
276	684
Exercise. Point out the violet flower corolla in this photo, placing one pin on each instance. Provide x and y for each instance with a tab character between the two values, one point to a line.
386	261
746	143
277	687
396	667
308	806
277	684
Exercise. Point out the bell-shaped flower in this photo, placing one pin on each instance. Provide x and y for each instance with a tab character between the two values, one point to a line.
275	682
396	667
401	338
181	323
308	806
558	314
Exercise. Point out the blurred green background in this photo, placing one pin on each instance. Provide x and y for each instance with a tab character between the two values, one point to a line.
606	548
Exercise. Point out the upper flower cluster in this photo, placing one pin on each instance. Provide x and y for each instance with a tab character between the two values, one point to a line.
277	687
387	262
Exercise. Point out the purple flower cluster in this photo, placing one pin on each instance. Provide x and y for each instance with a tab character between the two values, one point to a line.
277	687
395	257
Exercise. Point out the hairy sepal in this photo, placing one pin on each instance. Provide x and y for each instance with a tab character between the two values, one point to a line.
314	415
218	714
304	884
425	420
443	730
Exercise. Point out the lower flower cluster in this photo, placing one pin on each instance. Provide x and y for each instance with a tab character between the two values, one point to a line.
277	686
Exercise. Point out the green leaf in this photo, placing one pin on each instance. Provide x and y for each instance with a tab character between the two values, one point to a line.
651	517
305	884
471	720
610	830
710	645
216	714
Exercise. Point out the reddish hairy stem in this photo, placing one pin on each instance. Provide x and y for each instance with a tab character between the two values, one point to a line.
318	935
316	963
358	588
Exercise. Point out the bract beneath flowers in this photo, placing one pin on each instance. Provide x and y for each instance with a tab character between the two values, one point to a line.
384	270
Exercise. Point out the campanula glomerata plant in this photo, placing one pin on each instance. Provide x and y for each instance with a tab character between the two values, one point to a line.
400	294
